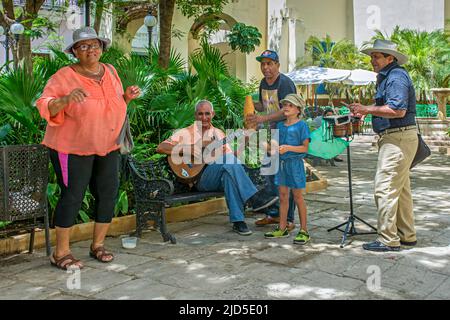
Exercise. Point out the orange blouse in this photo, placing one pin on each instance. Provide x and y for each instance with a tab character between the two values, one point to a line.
88	128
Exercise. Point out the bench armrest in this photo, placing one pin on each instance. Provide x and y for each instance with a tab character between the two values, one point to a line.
146	188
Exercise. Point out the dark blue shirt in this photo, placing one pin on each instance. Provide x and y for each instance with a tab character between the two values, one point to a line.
395	89
293	135
271	95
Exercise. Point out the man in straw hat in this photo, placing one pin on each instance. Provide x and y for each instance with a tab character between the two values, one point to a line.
394	121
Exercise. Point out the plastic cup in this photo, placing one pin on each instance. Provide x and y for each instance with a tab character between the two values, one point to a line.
129	242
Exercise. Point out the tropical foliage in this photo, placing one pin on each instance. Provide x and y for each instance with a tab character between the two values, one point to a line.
244	38
167	103
342	54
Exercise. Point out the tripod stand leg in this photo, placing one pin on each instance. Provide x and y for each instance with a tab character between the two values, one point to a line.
344	236
337	227
366	223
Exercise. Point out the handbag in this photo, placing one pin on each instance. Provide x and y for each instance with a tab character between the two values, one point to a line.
423	151
125	139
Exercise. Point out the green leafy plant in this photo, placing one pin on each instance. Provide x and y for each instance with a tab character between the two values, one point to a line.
244	38
18	94
121	207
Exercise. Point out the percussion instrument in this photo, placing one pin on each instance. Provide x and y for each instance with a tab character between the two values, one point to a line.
341	125
249	108
356	125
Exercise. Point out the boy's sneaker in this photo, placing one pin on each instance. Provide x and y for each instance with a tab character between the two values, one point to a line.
241	228
277	233
302	237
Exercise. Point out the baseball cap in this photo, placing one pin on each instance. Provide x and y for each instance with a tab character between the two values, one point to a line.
269	54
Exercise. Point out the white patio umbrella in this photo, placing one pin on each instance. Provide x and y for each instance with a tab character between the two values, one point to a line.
313	75
317	75
359	77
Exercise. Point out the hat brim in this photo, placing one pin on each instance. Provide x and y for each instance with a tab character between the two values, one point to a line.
106	43
259	59
295	103
401	58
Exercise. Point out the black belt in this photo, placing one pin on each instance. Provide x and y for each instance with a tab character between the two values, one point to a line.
398	129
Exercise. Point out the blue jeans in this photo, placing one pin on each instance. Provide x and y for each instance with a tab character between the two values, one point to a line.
274	210
231	178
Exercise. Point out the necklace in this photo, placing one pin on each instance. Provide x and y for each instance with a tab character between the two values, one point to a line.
93	73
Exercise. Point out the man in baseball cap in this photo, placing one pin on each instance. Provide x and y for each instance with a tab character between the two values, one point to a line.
274	87
269	54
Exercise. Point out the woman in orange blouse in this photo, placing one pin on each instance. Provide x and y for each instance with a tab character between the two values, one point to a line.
85	108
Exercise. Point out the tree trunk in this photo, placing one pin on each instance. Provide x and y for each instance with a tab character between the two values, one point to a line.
166	10
99	5
24	54
24	44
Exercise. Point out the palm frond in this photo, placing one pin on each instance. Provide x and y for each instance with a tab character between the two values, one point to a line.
18	94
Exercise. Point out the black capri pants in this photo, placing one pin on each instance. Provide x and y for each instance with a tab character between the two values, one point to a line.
74	173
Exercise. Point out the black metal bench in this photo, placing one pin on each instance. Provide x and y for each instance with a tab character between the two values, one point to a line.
156	187
23	190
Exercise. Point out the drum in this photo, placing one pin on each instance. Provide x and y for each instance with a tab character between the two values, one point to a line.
342	130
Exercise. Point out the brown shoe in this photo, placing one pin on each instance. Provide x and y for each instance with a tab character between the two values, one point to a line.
290	226
267	220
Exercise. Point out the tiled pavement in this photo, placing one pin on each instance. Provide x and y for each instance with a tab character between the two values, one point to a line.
210	261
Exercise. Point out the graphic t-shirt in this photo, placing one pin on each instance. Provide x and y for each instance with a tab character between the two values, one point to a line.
271	95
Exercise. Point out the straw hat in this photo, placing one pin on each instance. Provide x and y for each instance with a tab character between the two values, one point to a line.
388	47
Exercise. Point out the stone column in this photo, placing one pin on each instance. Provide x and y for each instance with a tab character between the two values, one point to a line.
292	45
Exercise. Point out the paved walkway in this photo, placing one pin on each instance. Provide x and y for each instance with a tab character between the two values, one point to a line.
210	261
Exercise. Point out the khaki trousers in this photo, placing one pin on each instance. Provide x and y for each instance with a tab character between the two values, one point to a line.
392	187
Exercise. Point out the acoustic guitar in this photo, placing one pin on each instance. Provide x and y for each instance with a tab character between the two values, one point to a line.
190	172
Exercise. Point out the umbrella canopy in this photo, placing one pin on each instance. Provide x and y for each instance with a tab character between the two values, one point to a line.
359	77
317	75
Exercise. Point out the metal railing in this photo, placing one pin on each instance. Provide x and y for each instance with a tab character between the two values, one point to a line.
429	110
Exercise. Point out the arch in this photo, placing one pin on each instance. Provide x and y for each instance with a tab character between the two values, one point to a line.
128	25
134	12
235	60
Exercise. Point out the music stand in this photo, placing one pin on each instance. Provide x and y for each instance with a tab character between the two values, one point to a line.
349	224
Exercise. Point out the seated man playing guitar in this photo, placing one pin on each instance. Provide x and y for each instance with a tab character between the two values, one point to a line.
222	171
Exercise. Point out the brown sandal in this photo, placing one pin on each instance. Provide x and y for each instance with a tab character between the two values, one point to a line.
65	262
100	253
